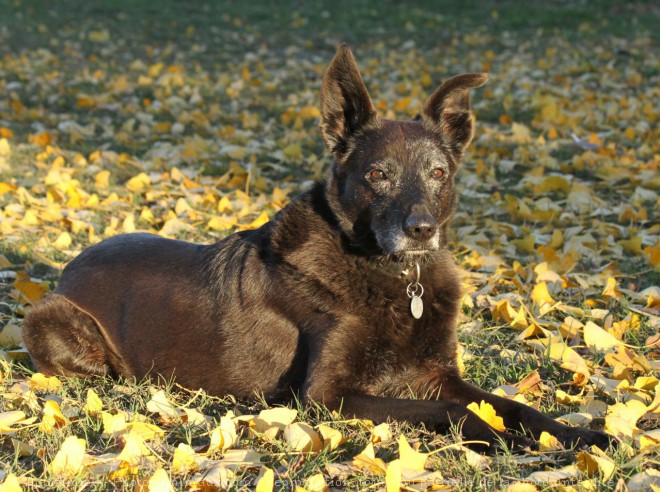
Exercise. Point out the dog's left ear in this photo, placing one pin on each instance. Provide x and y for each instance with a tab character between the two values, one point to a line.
447	111
345	103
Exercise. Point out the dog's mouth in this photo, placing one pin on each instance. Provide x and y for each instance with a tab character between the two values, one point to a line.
398	244
403	250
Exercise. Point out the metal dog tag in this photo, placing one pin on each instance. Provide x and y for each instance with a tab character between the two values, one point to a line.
415	291
416	307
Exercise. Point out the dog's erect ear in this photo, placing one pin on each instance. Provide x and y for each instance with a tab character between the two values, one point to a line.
345	103
447	111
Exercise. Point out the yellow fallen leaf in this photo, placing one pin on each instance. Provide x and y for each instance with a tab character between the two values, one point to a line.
554	183
302	437
598	340
93	404
102	180
621	419
265	480
611	290
569	359
521	487
476	460
259	221
216	478
138	183
569	472
293	152
99	36
278	417
224	436
52	417
486	412
145	430
27	290
221	223
184	459
411	459
548	442
646	382
68	461
562	397
316	483
134	448
39	382
113	425
167	410
11	484
63	241
381	433
525	244
367	461
8	419
160	482
594	465
393	476
234	458
332	438
542	297
224	204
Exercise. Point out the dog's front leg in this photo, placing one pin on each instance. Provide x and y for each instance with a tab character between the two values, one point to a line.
436	415
328	386
516	416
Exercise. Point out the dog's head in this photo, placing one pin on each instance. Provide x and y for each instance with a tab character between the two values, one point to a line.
392	184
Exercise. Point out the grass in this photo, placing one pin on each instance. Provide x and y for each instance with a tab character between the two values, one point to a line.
224	92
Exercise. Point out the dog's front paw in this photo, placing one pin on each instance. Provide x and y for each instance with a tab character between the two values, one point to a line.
489	441
580	437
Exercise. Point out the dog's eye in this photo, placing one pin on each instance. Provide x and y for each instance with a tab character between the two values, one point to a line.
437	173
376	175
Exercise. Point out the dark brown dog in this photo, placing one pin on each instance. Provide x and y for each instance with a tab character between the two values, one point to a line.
323	301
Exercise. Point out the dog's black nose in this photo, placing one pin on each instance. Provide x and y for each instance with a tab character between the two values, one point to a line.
420	224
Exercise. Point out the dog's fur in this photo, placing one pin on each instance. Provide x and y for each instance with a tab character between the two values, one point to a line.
313	303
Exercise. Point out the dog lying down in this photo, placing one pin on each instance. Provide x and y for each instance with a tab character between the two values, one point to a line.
348	297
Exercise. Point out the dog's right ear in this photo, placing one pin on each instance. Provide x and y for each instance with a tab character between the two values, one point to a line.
345	103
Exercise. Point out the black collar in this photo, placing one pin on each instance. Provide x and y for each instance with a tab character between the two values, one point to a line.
389	267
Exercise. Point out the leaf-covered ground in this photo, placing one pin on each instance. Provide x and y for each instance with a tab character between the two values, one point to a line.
194	120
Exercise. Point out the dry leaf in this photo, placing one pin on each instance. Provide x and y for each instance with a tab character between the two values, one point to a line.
11	484
265	481
381	433
52	417
274	417
598	340
595	465
39	382
224	436
68	462
316	483
160	482
621	419
548	442
302	437
393	476
486	412
332	438
367	461
166	409
410	459
184	459
93	403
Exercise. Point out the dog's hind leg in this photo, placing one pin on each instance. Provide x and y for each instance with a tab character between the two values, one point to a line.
64	340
